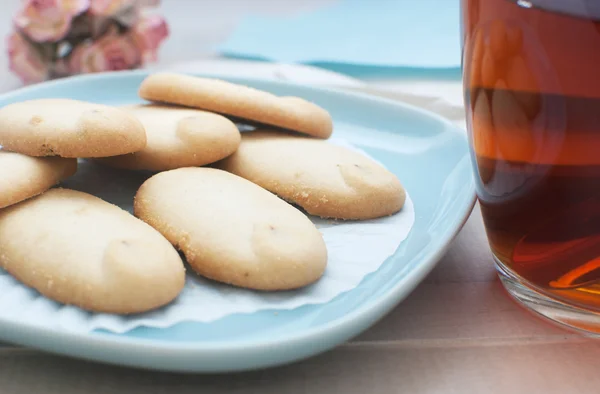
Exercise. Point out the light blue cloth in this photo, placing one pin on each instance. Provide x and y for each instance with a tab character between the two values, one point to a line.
386	34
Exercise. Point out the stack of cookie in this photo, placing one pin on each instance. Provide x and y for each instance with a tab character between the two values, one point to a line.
221	197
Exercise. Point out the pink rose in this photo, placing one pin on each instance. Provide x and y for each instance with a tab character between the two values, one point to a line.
25	60
108	8
148	34
110	53
48	20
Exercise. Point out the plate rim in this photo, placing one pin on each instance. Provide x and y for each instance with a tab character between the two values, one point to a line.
369	312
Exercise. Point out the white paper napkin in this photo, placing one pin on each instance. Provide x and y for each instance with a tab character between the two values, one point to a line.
355	249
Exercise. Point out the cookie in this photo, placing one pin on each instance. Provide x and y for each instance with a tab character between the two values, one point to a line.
22	177
178	137
77	249
240	101
231	230
324	179
69	128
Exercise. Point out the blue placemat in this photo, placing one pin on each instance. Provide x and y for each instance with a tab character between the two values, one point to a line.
357	36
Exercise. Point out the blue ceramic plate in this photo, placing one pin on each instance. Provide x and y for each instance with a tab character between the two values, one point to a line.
428	154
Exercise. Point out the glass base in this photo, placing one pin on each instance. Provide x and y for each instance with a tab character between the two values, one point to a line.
583	321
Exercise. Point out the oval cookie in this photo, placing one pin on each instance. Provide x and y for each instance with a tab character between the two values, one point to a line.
69	128
326	180
22	177
178	137
243	102
77	249
231	230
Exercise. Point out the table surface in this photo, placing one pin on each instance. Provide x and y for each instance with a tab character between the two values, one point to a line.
457	332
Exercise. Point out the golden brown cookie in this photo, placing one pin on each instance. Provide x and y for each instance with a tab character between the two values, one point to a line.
69	128
231	230
178	137
326	180
22	177
77	249
243	102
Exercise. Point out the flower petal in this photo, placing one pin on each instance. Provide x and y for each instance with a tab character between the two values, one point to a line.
44	20
25	61
109	7
75	7
110	53
149	32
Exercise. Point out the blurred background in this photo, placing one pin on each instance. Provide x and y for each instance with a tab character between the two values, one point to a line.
359	38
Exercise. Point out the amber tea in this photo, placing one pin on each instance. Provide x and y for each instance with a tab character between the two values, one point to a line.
531	72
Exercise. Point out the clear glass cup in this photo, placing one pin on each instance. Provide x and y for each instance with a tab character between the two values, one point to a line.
531	75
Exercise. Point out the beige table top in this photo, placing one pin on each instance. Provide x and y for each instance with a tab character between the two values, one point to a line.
457	332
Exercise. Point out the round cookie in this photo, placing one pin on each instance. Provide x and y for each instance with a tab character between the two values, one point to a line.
178	137
77	249
326	180
69	128
231	230
240	101
22	177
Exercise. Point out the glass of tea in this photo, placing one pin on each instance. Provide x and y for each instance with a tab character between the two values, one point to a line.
531	75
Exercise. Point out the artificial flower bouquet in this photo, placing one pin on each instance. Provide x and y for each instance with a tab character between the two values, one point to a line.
57	38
